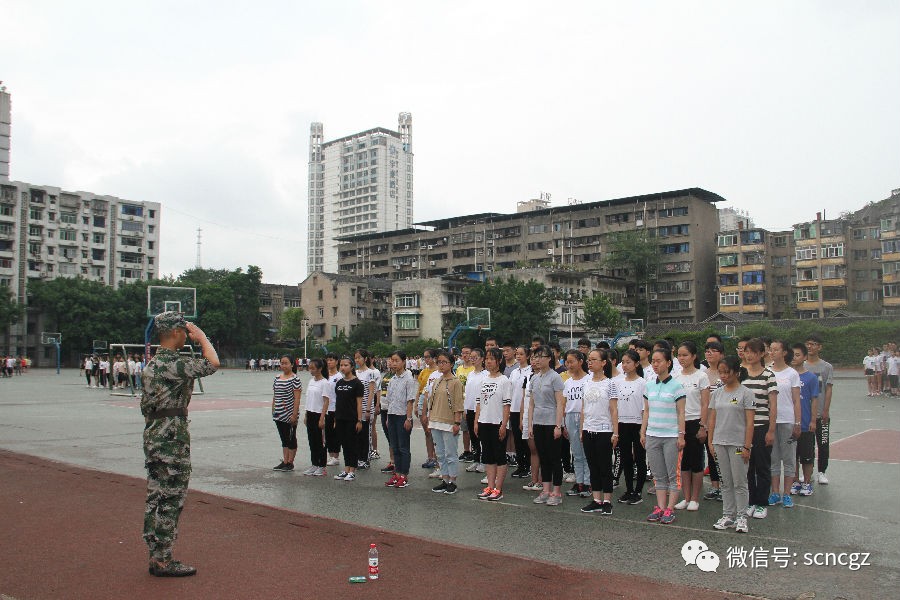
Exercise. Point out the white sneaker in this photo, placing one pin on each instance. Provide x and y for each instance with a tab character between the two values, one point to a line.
693	505
480	468
761	512
569	478
350	477
341	475
740	524
436	474
473	468
724	523
532	487
332	461
822	479
484	480
681	505
309	471
750	510
319	472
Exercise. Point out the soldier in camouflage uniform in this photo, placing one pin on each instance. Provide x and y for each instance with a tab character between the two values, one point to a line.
168	380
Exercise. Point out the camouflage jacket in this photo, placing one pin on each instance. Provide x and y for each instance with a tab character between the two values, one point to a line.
168	380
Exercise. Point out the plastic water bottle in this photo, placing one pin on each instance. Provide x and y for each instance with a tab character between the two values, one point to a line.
373	562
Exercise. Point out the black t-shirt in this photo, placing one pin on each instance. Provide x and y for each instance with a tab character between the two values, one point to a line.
345	395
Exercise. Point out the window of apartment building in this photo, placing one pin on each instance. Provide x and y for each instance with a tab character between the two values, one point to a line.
618	218
875	253
860	254
35	230
538	228
806	252
728	260
781	298
860	233
890	246
36	214
51	250
781	280
98	238
833	228
320	310
131	257
84	220
665	213
132	210
68	217
753	236
753	277
84	254
130	273
675	248
834	293
675	305
808	295
98	254
152	214
5	263
406	300
6	210
581	223
334	311
670	287
6	228
34	248
779	261
833	272
867	295
407	322
537	245
891	290
807	274
754	298
890	268
780	241
321	295
728	279
131	226
130	241
832	250
805	232
683	266
727	239
754	258
673	230
6	245
99	221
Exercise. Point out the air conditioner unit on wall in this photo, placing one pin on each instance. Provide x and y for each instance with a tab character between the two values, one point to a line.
431	263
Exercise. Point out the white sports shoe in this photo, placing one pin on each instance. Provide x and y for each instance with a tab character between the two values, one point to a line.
693	505
681	505
436	474
822	479
332	461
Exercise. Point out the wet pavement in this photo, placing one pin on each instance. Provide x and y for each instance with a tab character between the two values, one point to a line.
234	445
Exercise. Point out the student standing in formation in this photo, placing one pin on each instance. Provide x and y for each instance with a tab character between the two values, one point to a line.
787	424
809	400
424	378
348	416
630	386
316	407
870	362
731	415
88	369
286	391
401	398
714	353
462	370
518	377
695	383
443	416
662	434
599	430
332	441
367	376
547	408
491	417
573	389
472	389
761	381
535	484
825	373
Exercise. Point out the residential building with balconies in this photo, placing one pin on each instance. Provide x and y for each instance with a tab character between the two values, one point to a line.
334	303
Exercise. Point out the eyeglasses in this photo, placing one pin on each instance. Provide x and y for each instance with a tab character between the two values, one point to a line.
442	362
540	356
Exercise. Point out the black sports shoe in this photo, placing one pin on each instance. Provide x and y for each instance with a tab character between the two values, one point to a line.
279	467
636	498
575	491
521	473
511	460
440	488
594	506
626	497
606	508
451	488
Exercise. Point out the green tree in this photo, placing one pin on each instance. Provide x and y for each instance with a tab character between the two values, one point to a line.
10	311
600	316
366	333
636	252
519	309
417	347
81	310
291	324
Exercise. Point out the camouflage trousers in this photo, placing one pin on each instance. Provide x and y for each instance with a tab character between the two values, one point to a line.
167	457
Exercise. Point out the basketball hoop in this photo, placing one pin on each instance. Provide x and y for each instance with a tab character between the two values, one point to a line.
478	327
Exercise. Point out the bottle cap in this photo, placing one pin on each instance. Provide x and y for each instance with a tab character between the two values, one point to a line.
371	545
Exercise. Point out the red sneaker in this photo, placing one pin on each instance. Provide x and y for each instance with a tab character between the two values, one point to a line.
402	482
392	482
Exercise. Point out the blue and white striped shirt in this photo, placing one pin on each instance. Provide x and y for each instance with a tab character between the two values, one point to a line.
662	396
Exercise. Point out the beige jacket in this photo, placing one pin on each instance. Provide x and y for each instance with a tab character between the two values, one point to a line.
445	400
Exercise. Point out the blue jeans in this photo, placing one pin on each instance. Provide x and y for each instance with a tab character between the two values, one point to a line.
398	437
445	447
579	462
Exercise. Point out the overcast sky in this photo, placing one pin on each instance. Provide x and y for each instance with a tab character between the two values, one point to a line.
782	108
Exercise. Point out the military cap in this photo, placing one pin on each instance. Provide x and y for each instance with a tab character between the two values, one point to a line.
169	320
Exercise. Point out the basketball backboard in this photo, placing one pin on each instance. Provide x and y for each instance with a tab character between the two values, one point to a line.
478	318
51	337
162	298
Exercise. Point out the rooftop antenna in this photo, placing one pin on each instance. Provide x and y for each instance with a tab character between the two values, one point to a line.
199	244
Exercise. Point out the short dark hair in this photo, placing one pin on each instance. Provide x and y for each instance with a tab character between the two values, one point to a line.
717	337
584	342
814	337
603	345
539	340
643	345
399	354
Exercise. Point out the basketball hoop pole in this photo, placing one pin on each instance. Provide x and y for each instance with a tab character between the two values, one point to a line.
58	359
147	333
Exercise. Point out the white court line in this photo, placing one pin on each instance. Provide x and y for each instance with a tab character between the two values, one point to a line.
862	462
852	436
834	512
497	502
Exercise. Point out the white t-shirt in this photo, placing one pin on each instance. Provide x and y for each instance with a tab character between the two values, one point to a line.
869	362
787	379
631	399
573	390
597	395
676	367
315	392
893	365
517	378
88	365
473	389
366	377
329	390
496	392
649	374
693	384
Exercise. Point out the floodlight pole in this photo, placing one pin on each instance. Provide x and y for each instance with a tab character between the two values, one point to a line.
56	343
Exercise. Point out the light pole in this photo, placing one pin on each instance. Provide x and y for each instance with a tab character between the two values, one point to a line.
305	324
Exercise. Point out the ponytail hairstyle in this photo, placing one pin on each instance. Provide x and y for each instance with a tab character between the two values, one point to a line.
692	348
734	365
350	360
580	357
320	364
636	359
497	355
366	356
604	356
785	349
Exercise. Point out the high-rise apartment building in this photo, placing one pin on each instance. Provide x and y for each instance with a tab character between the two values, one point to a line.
358	184
5	125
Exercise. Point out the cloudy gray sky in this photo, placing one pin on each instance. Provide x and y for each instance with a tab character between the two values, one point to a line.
783	108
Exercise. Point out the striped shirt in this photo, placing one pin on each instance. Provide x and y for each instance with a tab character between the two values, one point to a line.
283	392
662	397
761	385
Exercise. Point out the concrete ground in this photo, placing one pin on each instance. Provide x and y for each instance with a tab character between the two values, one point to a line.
854	519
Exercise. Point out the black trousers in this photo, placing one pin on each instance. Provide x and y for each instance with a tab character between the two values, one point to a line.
549	450
822	435
362	443
476	444
346	432
599	453
332	442
314	434
759	471
634	456
523	455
